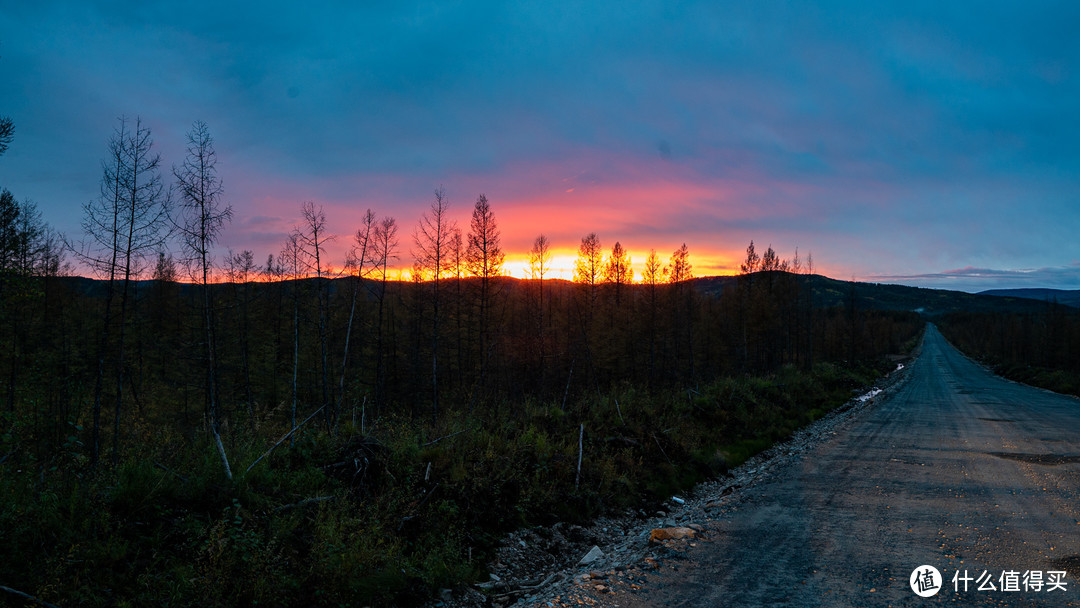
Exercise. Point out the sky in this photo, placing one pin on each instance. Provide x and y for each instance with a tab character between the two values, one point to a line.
920	143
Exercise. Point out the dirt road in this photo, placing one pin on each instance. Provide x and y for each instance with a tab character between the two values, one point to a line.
957	469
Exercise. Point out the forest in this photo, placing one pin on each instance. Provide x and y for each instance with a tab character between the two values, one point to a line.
1039	347
180	428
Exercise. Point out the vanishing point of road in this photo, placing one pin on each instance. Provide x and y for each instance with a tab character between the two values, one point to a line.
956	468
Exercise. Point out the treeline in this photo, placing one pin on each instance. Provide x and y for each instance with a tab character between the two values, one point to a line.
291	336
355	349
1041	348
295	435
361	348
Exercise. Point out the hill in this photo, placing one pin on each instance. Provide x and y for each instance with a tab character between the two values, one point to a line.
828	293
1061	296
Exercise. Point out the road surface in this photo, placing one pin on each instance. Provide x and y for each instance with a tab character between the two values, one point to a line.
957	468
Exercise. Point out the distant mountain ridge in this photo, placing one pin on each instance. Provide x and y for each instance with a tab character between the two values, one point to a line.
824	292
1066	297
828	293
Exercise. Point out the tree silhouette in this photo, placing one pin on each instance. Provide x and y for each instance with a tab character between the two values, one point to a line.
25	243
752	261
123	225
290	260
654	274
385	244
589	268
10	240
433	257
7	133
202	217
680	272
539	265
618	271
240	269
540	258
361	261
312	238
680	268
484	259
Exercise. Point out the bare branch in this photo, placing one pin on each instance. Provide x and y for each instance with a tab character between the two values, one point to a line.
283	438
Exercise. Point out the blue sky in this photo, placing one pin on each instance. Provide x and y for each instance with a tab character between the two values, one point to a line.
923	143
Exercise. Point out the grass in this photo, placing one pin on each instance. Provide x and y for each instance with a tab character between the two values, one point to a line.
403	511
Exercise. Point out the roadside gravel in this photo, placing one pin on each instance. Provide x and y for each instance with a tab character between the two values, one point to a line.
543	566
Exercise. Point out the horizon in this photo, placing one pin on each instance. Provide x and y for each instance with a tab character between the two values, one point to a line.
917	145
402	275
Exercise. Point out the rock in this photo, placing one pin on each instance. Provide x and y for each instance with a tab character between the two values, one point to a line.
446	594
594	554
577	533
696	527
671	533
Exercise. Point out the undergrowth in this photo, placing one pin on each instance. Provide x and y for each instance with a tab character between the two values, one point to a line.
383	517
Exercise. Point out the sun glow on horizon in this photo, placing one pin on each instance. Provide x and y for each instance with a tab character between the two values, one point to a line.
563	262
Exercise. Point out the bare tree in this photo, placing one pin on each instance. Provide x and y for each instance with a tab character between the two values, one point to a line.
201	218
539	265
312	239
770	261
752	262
101	222
240	269
680	268
123	225
290	263
52	261
653	275
457	271
588	268
680	271
654	272
385	247
484	259
618	270
540	258
433	257
361	261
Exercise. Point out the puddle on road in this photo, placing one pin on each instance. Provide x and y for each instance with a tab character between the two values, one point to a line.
1044	459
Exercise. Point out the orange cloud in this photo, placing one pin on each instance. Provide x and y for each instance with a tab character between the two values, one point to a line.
643	206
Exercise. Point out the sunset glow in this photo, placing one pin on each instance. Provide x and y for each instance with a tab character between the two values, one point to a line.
892	145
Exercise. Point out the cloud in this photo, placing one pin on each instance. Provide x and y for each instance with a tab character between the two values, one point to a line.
980	279
886	138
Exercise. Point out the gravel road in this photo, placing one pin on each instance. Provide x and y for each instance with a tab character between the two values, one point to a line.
956	468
